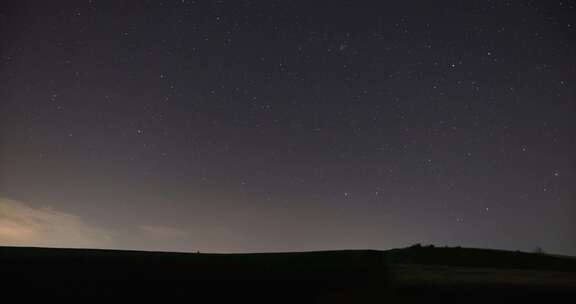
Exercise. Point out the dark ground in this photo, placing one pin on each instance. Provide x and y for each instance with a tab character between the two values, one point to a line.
414	274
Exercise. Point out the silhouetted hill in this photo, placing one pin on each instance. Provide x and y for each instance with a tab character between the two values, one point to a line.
474	257
358	276
188	266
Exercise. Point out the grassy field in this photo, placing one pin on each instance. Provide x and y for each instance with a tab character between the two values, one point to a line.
348	276
410	274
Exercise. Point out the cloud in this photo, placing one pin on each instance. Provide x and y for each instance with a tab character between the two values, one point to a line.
163	232
24	225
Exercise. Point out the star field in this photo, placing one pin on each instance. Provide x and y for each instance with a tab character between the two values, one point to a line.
294	125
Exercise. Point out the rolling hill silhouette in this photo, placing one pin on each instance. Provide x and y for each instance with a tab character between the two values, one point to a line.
415	273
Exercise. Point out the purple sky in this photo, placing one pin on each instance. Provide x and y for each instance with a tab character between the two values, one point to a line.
234	126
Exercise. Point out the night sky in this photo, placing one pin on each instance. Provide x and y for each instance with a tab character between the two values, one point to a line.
244	126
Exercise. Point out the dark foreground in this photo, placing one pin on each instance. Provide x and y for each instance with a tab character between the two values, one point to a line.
413	274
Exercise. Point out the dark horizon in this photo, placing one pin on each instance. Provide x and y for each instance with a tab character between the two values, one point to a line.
341	250
272	126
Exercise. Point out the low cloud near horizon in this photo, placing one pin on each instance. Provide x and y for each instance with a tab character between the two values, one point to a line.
25	225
